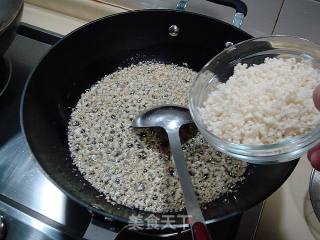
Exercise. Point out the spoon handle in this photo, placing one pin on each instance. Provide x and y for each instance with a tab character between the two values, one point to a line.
200	231
199	228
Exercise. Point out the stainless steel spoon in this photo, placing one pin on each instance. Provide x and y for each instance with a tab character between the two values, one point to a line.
171	118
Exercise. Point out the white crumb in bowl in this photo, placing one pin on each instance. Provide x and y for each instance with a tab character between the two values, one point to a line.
129	165
265	103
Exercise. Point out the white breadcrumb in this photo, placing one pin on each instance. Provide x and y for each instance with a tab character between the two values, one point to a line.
265	103
131	166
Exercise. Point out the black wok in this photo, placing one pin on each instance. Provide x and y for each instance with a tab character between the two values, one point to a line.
84	56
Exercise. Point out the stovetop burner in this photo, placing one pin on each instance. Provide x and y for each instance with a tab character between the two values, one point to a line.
5	73
32	207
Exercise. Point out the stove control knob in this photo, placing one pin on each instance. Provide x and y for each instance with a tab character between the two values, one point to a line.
3	228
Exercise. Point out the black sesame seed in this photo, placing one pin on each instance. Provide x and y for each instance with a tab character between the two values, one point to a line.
219	154
142	156
142	135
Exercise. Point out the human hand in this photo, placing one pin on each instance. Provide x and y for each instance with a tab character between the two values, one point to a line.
314	153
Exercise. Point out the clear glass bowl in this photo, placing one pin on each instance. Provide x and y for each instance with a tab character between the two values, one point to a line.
220	68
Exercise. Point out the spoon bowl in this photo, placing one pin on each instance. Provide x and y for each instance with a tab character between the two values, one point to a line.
171	118
165	116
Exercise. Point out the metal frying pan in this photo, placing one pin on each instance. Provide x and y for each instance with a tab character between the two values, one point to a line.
98	48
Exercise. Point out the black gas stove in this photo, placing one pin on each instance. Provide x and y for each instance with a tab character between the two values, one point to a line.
31	207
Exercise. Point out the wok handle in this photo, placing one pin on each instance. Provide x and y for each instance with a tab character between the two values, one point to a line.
200	231
237	5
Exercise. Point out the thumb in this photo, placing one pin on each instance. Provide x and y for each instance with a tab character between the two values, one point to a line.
314	153
314	157
315	160
316	97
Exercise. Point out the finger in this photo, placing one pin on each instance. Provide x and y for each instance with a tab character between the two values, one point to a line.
315	159
312	150
316	97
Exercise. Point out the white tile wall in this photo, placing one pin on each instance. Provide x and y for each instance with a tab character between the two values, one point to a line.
300	18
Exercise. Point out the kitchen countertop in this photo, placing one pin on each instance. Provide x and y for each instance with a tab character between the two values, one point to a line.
50	20
286	211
